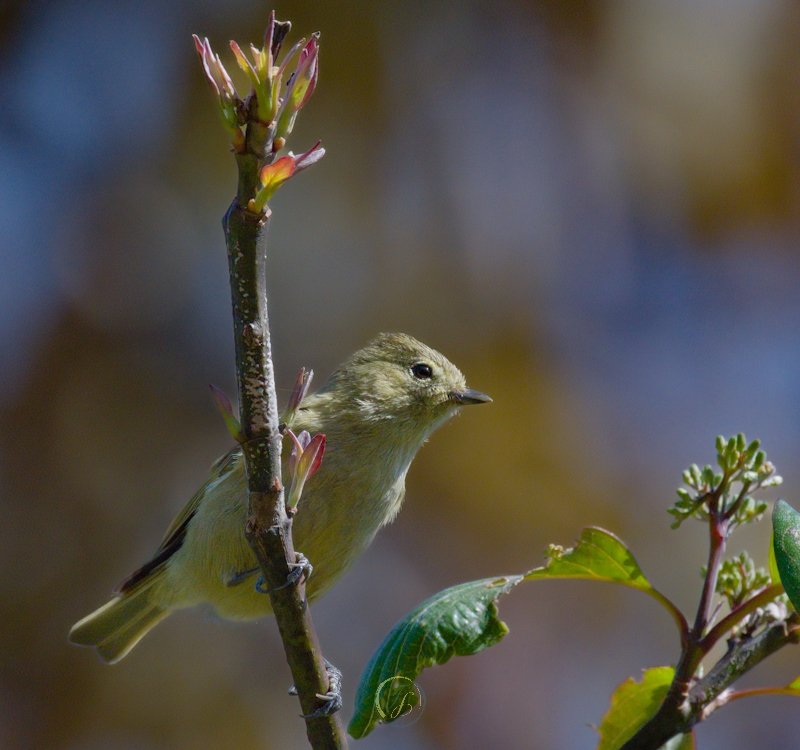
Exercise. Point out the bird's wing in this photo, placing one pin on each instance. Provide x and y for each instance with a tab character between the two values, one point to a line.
219	469
175	533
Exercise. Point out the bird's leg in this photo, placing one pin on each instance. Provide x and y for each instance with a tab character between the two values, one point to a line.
332	700
236	578
300	569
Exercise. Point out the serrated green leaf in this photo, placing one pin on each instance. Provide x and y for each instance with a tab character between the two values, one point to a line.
461	620
786	543
601	556
632	704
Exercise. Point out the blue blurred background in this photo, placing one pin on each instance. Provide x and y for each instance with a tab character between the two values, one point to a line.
591	206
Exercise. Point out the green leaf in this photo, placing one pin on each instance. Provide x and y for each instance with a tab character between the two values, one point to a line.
632	704
601	556
774	575
461	620
786	542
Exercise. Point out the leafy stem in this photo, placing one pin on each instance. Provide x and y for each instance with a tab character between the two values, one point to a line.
676	614
716	499
718	537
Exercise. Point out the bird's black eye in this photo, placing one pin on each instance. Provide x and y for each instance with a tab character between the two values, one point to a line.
422	371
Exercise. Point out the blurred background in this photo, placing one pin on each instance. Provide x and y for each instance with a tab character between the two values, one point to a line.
591	206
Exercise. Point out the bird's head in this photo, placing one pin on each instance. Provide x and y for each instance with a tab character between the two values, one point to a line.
395	377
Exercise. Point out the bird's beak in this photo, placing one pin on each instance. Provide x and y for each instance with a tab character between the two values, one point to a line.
469	396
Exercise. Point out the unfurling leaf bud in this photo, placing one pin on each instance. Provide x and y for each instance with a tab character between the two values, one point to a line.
299	390
221	84
261	75
272	176
215	71
244	63
304	461
300	86
223	403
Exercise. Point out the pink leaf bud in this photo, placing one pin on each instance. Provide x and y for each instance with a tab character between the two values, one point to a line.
272	176
223	403
299	390
215	71
305	77
304	461
300	86
312	156
223	87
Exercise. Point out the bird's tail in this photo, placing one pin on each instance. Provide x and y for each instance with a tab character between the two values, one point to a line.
119	625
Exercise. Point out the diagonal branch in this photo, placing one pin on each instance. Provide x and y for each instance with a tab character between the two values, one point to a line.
709	692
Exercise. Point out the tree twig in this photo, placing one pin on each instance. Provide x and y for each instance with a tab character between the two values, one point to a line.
708	694
269	527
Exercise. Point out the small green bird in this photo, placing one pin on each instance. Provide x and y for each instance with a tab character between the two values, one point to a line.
376	410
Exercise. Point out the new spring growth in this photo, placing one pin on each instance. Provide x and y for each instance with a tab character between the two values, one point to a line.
306	454
276	96
727	492
304	461
223	403
272	176
301	385
300	86
228	99
739	578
